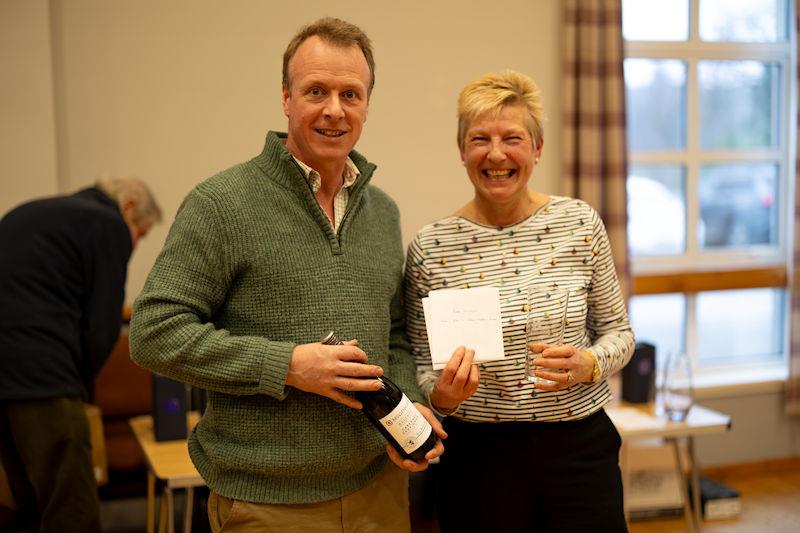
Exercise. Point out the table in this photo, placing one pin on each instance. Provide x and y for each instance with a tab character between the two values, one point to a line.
648	421
169	462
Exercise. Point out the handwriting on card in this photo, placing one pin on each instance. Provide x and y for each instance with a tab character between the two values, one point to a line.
464	317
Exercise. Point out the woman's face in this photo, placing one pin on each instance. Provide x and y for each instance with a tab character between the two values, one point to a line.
499	156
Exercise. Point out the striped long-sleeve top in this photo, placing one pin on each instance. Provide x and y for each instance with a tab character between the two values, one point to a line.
564	244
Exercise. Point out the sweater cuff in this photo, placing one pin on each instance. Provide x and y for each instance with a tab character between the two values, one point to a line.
275	368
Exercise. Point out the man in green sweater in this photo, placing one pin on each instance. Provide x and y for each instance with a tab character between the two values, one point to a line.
261	261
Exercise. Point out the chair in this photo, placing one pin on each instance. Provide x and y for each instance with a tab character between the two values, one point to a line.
123	390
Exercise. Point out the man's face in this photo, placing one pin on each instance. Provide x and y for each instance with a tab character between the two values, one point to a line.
138	230
327	104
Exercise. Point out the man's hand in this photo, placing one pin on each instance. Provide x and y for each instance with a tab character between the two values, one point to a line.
436	451
328	370
458	381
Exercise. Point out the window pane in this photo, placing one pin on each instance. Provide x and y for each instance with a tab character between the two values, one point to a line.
655	20
753	21
662	126
656	210
660	320
740	327
737	205
736	104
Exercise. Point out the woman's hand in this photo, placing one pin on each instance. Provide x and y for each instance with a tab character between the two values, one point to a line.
457	382
564	365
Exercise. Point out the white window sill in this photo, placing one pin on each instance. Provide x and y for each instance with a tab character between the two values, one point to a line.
726	383
722	383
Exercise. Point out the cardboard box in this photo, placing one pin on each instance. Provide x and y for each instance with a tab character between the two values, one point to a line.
98	441
719	501
653	489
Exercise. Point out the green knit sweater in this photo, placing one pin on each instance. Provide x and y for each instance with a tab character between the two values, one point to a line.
250	269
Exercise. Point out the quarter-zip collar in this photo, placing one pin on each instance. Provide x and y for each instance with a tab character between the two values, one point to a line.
279	165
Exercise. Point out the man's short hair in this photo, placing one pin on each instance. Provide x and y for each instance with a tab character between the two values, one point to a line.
335	32
121	189
491	92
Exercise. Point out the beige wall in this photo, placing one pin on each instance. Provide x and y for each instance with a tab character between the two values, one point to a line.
176	91
27	123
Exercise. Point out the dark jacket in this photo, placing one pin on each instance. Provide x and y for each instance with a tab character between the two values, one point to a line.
63	263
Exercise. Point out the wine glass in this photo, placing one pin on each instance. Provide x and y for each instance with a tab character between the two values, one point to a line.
678	390
546	320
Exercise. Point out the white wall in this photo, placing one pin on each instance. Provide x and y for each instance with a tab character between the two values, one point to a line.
759	430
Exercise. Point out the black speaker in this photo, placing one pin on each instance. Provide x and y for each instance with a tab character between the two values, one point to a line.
639	375
169	409
199	398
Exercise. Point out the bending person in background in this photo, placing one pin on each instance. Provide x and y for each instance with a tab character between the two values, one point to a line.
530	458
262	260
63	264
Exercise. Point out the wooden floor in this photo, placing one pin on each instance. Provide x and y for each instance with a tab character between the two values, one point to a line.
770	495
770	501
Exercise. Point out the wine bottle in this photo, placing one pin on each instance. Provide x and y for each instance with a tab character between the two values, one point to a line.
393	414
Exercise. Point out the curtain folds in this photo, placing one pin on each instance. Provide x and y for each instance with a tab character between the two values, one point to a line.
793	381
595	151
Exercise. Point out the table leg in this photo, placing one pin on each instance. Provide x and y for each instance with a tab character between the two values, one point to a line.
151	500
187	510
170	511
626	481
695	471
162	512
687	511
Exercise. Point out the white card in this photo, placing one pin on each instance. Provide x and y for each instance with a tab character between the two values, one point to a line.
464	317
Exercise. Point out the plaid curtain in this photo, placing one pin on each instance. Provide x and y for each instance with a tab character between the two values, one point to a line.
793	382
595	151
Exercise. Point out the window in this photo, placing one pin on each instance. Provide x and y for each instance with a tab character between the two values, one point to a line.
709	87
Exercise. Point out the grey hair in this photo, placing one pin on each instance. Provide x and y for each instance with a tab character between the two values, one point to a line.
121	189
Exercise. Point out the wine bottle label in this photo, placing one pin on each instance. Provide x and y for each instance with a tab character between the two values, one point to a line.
407	425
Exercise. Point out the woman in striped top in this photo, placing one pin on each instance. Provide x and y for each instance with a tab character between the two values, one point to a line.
522	457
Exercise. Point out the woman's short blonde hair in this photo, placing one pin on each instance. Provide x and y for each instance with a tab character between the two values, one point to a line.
491	92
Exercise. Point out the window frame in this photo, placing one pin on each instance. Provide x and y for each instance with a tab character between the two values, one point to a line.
699	270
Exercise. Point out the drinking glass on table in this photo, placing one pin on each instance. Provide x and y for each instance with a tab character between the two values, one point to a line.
678	391
546	320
